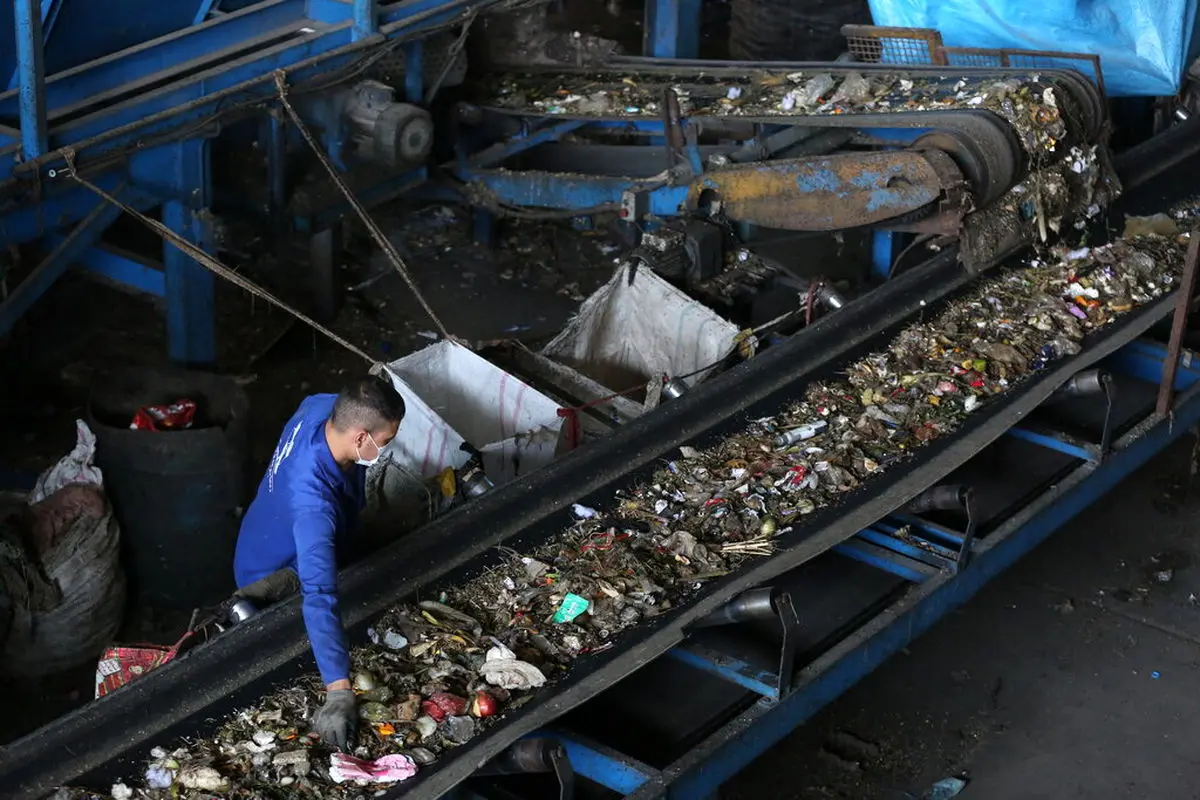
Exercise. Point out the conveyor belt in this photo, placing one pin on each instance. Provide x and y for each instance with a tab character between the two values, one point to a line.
825	529
108	738
1093	103
1000	127
706	86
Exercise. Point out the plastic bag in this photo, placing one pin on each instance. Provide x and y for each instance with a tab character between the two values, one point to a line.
78	466
1144	45
83	566
120	665
63	599
625	334
462	397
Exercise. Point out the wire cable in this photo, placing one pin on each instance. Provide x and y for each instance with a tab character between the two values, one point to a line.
210	263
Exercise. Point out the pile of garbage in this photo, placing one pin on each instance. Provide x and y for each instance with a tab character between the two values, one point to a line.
62	589
437	673
1034	107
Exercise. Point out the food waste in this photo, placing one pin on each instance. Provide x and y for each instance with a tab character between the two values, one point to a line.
1037	108
437	673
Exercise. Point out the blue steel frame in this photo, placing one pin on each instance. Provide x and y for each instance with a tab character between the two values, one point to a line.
581	192
178	81
149	106
31	77
934	593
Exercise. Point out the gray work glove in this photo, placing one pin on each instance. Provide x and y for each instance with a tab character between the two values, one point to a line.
336	722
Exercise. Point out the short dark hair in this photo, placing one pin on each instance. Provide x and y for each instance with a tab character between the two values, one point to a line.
368	403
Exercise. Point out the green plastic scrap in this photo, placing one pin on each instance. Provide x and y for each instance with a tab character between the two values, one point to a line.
572	606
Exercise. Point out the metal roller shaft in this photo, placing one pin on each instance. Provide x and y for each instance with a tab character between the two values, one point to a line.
752	605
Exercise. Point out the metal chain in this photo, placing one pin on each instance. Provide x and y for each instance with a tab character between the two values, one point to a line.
376	234
210	263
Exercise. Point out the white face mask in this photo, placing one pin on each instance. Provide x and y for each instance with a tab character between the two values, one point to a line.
365	462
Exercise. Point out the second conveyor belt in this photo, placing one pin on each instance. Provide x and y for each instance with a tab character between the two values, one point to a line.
108	739
1014	137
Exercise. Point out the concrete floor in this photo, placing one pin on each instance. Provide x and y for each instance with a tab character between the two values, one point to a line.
1073	675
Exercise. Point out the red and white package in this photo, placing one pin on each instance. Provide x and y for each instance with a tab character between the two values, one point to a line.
120	665
177	416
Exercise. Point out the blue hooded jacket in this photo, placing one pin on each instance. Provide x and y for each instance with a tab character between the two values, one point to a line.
304	504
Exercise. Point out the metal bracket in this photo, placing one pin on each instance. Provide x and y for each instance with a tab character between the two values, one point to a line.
1082	384
964	555
951	497
673	129
535	755
1087	383
1187	288
760	604
789	623
564	772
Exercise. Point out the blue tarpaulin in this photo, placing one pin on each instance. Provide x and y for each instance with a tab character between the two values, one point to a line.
1144	45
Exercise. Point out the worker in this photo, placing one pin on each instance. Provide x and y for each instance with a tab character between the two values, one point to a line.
307	507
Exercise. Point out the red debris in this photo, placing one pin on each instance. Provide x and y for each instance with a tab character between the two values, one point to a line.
177	416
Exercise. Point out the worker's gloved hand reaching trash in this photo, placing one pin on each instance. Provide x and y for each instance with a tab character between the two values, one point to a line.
336	722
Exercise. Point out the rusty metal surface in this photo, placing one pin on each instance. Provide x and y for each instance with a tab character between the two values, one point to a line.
826	193
944	219
1183	302
673	127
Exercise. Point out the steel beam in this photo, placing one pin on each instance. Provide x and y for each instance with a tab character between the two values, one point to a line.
883	252
153	60
573	192
414	73
243	73
189	287
203	10
125	269
1055	443
1187	290
119	266
31	78
70	248
672	29
275	134
63	204
366	19
603	765
497	153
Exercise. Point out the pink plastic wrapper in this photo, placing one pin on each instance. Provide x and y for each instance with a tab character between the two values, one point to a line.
387	769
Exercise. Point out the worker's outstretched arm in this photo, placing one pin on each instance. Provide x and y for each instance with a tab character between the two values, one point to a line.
336	722
316	565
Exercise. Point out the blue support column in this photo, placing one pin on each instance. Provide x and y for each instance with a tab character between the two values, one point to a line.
203	10
366	20
672	29
191	335
484	223
414	75
276	147
31	77
883	250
